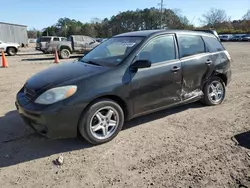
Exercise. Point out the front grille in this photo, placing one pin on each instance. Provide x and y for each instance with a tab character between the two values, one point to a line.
29	94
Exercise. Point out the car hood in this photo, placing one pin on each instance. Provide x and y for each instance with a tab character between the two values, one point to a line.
61	73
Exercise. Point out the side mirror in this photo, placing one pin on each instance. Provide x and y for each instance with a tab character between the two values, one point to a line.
92	42
139	64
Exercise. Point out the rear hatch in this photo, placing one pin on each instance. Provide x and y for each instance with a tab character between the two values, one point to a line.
41	43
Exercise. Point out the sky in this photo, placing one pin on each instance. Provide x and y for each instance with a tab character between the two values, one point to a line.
42	13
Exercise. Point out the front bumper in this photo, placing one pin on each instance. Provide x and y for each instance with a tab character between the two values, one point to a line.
53	121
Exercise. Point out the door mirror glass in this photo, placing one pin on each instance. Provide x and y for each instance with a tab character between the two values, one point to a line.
139	64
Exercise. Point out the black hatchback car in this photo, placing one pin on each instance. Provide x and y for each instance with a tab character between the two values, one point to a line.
129	75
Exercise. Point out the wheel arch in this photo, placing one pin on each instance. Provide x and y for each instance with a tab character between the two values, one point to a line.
8	47
221	76
65	47
115	98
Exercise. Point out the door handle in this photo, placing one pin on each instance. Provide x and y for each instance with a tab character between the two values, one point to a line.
175	69
208	62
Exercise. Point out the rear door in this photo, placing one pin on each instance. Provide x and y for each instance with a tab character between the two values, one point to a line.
79	43
220	59
90	43
159	85
196	61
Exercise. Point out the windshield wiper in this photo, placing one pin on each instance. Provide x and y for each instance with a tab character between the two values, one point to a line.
91	62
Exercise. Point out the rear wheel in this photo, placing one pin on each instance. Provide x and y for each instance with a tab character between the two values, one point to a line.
11	51
102	121
214	91
64	54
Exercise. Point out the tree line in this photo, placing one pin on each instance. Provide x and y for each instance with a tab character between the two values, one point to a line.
143	19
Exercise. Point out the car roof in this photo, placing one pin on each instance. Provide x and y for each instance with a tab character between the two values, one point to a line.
148	33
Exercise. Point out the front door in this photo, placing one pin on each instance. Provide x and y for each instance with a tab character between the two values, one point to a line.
160	84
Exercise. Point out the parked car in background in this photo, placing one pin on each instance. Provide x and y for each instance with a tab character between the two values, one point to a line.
225	37
9	47
236	38
42	41
127	76
212	31
74	44
246	37
32	40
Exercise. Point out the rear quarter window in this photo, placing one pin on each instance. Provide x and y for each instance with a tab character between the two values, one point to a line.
213	44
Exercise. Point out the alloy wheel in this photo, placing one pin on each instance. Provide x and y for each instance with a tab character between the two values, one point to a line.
216	91
104	122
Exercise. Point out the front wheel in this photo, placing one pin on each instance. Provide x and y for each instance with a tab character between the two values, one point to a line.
11	51
214	91
102	121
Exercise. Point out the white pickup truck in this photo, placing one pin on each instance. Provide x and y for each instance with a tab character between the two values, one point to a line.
9	48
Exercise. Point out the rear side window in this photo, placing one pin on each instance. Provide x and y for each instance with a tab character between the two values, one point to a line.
190	45
56	39
88	39
78	38
45	39
213	44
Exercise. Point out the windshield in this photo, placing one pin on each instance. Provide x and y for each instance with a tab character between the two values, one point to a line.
112	51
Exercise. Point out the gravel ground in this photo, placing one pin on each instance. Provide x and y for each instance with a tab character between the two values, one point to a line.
188	146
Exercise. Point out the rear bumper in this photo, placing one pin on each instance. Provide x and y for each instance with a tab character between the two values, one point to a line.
56	121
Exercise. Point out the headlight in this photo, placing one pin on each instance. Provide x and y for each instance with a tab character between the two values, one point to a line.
56	94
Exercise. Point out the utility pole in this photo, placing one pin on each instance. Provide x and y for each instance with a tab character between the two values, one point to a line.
161	12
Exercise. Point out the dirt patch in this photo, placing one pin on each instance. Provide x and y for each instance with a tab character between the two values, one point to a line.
188	146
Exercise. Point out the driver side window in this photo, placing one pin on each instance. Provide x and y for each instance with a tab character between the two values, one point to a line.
159	49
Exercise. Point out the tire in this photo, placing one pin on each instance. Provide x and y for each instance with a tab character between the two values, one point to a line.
64	54
216	97
11	51
91	118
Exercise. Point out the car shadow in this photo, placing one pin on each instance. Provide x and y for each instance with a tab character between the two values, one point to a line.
38	59
19	144
160	114
243	139
27	54
47	58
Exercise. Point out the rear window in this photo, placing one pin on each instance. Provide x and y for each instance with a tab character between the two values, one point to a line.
56	39
190	45
45	39
213	44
